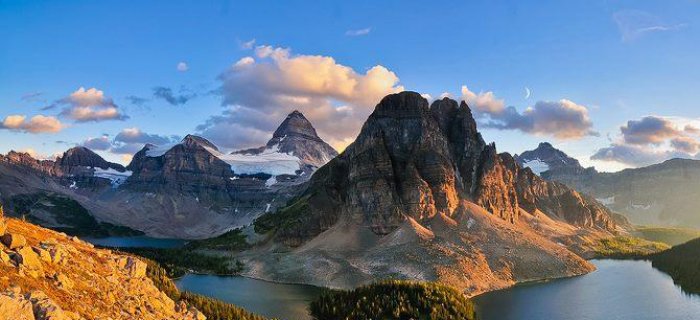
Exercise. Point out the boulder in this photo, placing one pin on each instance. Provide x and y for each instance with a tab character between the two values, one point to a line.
45	308
134	267
63	281
13	241
4	257
28	260
13	306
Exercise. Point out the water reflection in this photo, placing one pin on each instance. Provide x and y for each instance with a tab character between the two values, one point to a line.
617	290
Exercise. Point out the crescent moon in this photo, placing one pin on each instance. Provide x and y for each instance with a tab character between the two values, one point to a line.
527	93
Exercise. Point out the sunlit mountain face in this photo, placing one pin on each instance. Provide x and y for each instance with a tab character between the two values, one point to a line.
236	160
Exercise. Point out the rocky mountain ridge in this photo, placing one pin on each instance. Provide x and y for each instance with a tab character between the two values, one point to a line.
420	195
652	195
185	190
545	157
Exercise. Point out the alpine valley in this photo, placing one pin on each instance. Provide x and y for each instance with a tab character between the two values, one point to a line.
652	195
185	190
418	196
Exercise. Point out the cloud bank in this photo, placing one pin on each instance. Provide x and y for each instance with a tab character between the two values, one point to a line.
90	105
651	140
563	119
259	91
37	124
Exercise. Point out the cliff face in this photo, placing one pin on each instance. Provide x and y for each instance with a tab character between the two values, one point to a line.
47	275
415	161
420	187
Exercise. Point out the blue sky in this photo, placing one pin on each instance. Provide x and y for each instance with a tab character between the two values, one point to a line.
630	64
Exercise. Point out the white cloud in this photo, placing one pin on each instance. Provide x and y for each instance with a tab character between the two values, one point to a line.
634	24
243	62
653	139
85	105
358	32
247	45
131	140
485	102
563	119
37	124
135	135
336	98
182	67
99	143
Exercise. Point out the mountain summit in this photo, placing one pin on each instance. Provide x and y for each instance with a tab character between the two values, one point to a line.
420	195
295	125
545	158
296	136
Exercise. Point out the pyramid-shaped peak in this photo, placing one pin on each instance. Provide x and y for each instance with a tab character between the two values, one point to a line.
192	140
295	124
80	151
545	145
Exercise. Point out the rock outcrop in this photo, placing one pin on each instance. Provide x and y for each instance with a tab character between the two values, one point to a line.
83	157
56	277
415	161
420	195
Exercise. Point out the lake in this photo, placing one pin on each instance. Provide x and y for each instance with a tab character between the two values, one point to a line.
137	241
282	301
619	289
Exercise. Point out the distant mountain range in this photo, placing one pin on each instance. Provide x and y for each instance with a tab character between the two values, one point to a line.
660	194
185	190
420	195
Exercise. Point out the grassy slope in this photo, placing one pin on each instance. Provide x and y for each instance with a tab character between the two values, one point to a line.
626	247
670	236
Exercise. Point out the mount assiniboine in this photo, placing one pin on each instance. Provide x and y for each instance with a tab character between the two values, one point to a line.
419	195
186	190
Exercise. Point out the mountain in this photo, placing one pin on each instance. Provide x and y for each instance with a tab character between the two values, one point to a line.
545	158
652	195
296	136
188	189
48	275
420	195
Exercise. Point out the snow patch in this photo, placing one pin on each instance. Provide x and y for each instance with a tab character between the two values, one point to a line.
607	201
267	208
73	185
537	166
470	223
116	177
270	161
640	206
157	151
270	182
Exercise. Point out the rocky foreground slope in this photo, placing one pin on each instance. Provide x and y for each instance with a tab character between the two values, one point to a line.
48	275
420	195
652	195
